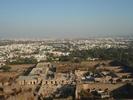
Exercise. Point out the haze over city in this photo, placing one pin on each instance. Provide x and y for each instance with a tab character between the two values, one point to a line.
66	49
65	18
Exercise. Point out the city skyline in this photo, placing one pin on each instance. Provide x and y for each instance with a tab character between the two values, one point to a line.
65	19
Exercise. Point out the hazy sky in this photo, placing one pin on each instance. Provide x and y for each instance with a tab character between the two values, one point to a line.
65	18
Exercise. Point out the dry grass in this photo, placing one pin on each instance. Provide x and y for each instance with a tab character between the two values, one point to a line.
15	71
85	65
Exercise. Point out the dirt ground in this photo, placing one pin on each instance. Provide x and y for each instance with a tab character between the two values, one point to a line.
15	71
85	65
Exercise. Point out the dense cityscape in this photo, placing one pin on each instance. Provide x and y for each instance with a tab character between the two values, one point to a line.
77	69
66	49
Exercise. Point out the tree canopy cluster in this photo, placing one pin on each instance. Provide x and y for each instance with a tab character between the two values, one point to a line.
5	68
23	61
123	55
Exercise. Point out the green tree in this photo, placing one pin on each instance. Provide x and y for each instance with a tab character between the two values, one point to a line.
5	68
